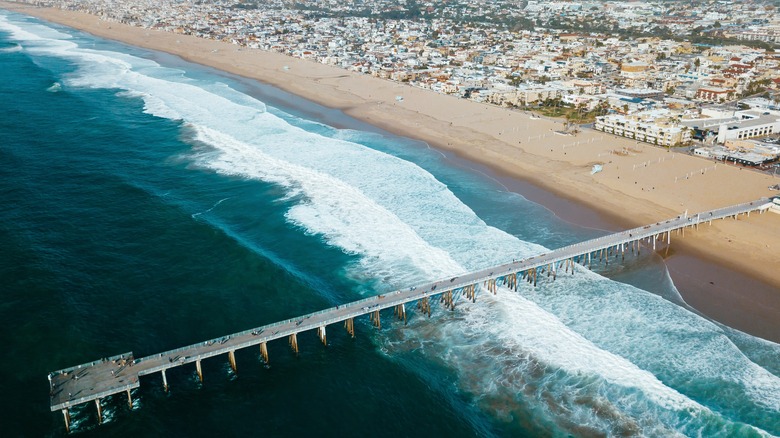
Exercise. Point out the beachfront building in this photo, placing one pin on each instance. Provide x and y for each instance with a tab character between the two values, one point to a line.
530	94
740	125
745	152
654	127
750	124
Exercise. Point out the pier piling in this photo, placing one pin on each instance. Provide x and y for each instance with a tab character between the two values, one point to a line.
294	342
400	312
264	351
197	370
425	305
321	334
232	360
349	324
66	417
99	411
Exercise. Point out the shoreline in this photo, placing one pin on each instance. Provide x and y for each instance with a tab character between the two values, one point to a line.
556	167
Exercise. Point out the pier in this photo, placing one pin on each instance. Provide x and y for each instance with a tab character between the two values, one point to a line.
120	374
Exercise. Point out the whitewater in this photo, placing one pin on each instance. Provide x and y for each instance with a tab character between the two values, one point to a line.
587	355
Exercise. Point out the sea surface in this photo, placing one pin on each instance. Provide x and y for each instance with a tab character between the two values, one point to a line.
148	203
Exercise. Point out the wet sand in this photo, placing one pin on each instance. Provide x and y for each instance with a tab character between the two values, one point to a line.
639	184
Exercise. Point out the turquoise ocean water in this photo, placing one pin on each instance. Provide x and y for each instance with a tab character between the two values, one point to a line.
149	203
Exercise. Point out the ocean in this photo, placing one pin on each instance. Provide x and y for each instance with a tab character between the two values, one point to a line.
150	203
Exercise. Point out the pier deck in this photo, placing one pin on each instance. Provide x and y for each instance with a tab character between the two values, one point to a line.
118	374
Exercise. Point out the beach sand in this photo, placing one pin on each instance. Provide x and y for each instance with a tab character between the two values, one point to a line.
639	184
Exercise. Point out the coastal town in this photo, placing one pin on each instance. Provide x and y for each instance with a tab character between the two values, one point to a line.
704	75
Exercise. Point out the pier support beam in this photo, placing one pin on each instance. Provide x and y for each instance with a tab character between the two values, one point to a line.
446	298
400	312
99	411
129	400
264	352
165	380
473	288
375	319
349	324
232	360
198	370
294	342
66	417
425	305
321	334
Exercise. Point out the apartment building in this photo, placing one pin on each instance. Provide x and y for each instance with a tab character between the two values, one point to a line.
650	128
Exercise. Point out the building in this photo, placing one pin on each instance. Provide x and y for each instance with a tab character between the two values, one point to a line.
641	93
749	124
650	127
740	125
527	95
633	70
715	94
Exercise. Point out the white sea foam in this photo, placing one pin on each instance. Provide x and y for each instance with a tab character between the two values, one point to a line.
342	214
12	49
521	325
408	227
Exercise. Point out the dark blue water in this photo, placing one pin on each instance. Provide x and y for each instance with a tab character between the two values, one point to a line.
151	204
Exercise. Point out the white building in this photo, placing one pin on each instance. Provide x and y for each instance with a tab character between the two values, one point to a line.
749	124
652	127
740	125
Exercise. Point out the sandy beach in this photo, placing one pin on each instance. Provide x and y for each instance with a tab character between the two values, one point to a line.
639	183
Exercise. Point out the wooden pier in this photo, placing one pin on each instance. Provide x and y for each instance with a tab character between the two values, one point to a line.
119	374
